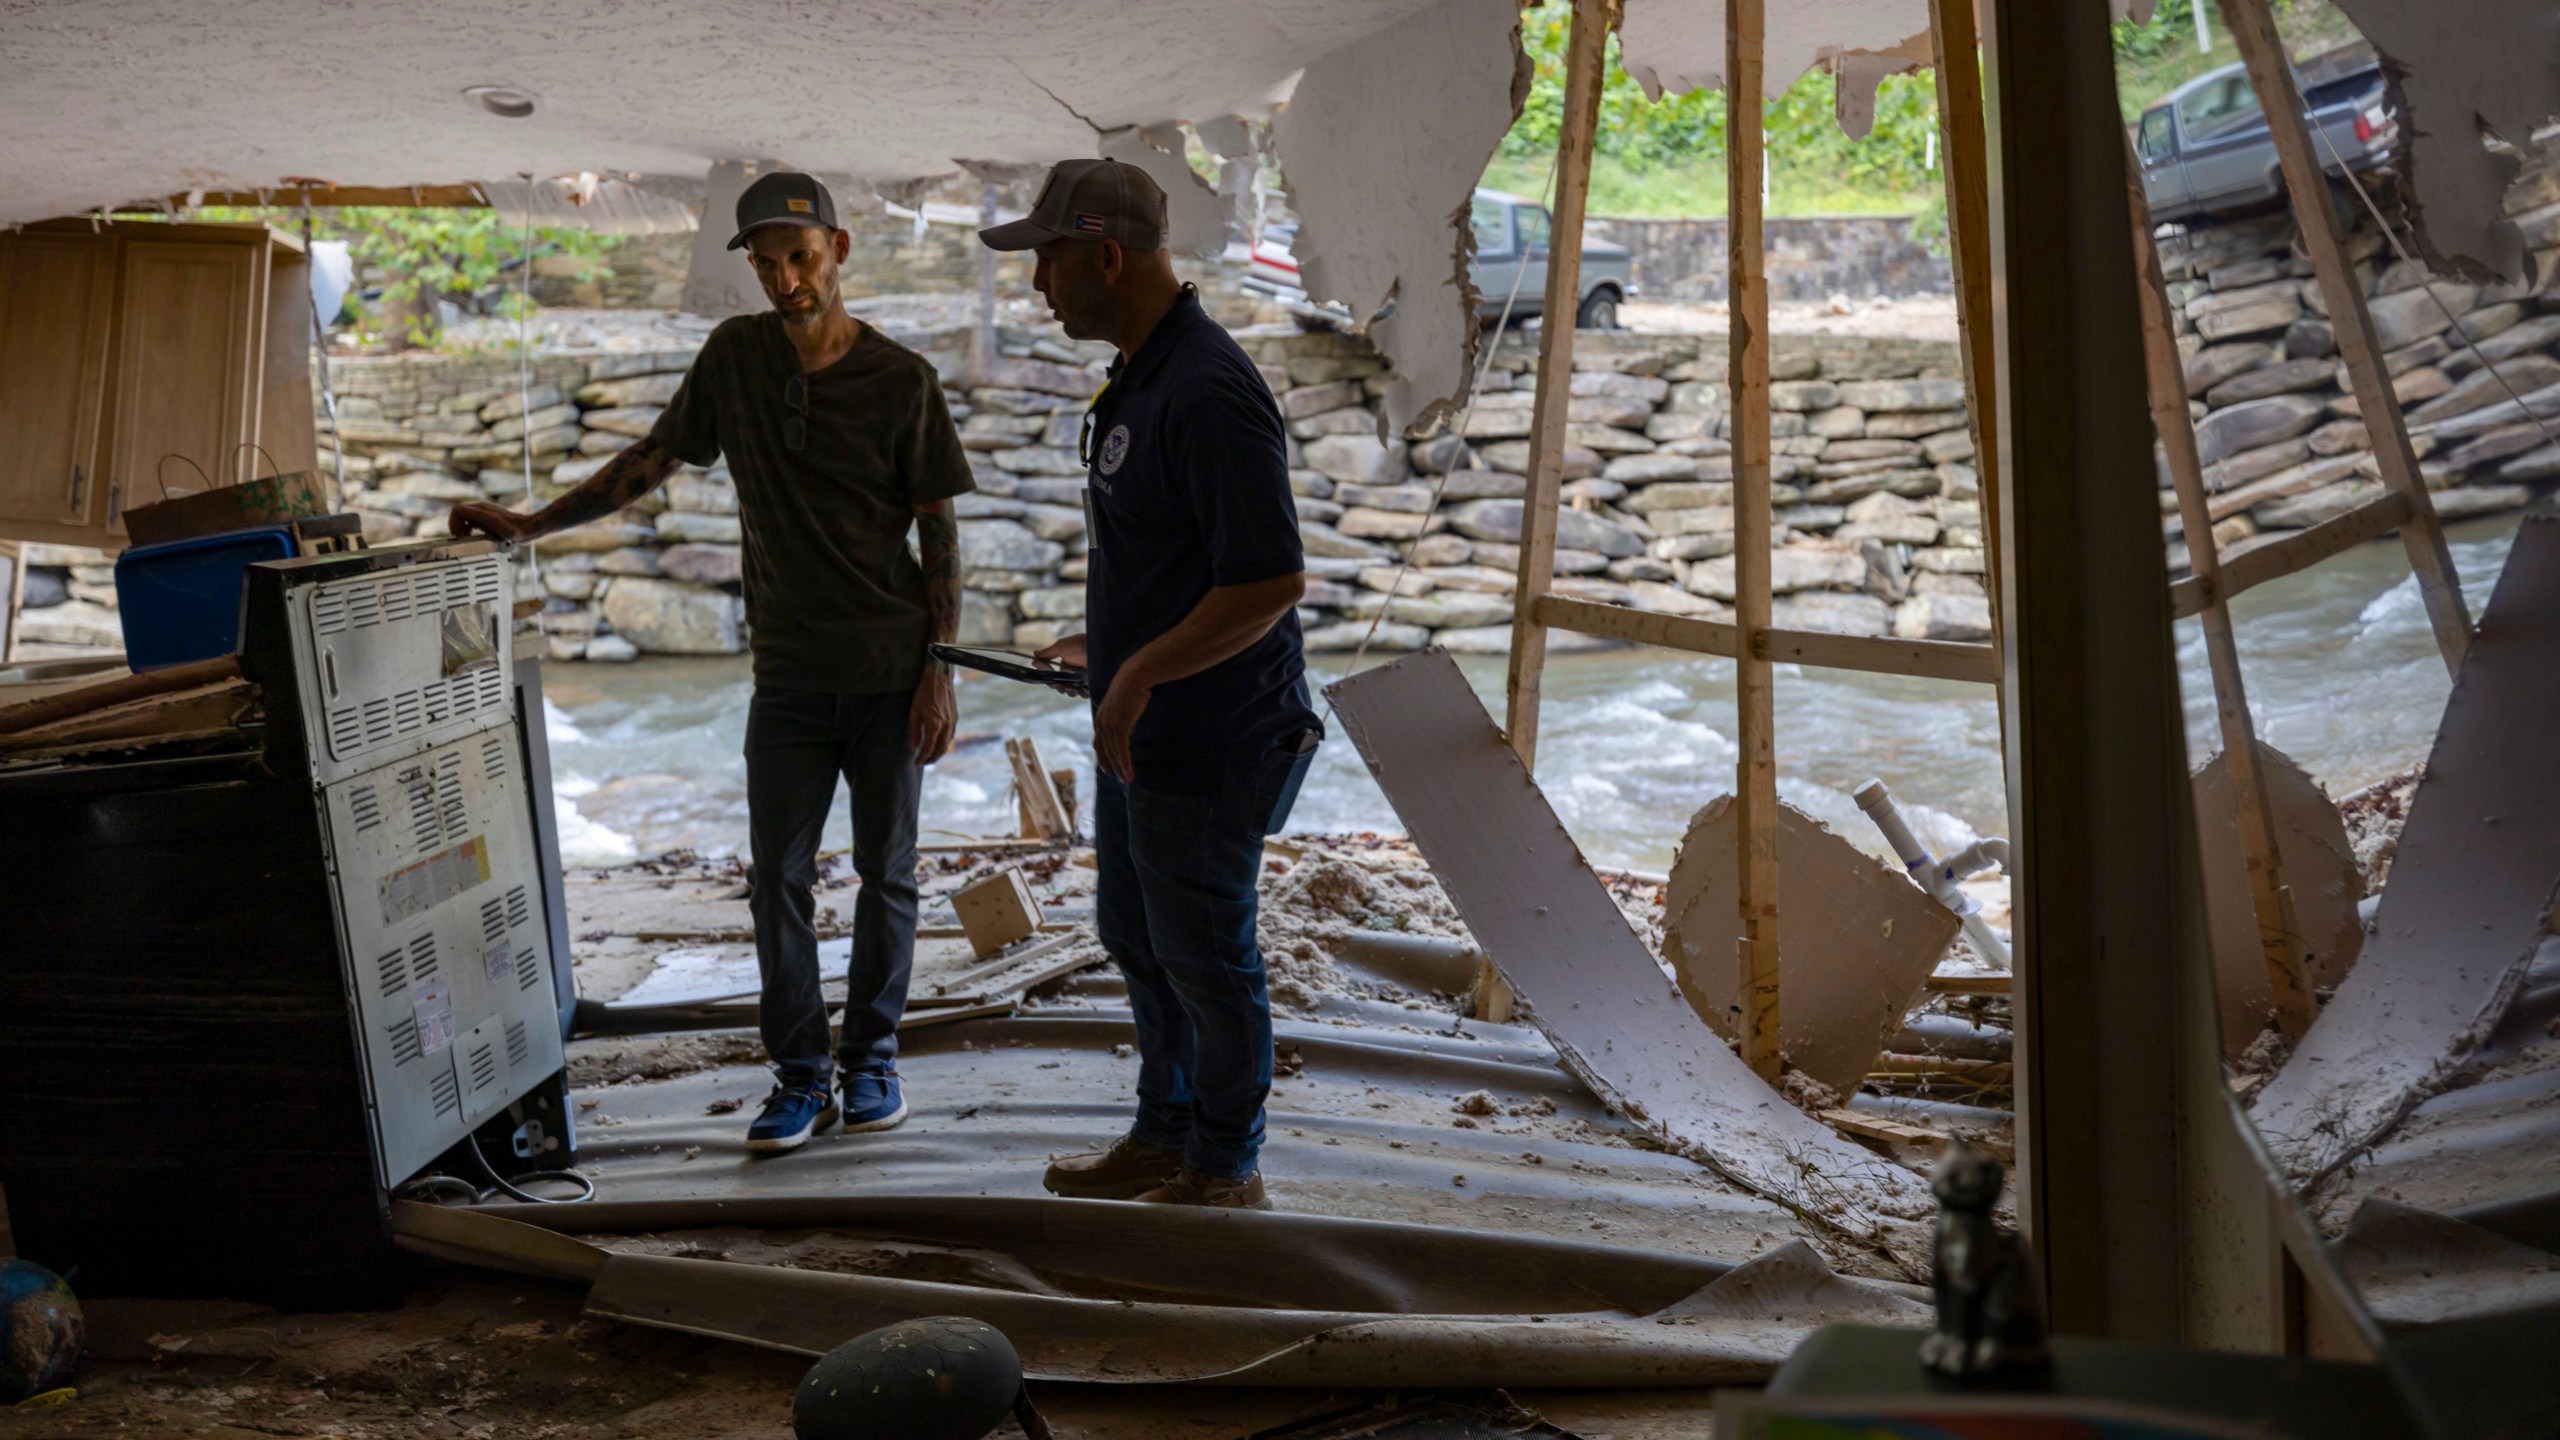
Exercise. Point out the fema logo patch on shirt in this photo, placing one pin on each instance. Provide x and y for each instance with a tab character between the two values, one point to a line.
1115	448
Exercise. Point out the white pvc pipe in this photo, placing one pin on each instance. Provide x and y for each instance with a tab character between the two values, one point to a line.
1943	879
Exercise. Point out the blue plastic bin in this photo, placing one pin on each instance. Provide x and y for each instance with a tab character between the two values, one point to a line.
181	600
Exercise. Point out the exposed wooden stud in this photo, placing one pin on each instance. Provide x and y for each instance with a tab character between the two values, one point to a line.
2370	521
1756	790
2279	933
1585	61
1880	654
1956	56
2253	30
1875	654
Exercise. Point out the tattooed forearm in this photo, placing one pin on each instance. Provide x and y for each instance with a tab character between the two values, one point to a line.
625	478
938	540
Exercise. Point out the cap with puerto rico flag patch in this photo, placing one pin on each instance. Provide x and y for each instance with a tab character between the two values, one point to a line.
1089	200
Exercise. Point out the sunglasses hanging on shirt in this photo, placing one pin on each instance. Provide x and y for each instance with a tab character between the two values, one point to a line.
795	428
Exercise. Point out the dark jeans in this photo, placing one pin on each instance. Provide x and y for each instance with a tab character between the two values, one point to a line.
1175	907
798	742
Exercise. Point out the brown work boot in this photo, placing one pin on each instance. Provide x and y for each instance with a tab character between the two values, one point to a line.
1126	1170
1189	1187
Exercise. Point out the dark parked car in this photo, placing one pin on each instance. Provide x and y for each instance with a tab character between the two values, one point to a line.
1511	252
2205	149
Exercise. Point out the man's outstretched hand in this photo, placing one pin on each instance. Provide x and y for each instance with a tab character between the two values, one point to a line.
495	521
933	716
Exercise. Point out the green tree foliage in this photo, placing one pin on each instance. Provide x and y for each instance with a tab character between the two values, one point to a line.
1667	155
418	256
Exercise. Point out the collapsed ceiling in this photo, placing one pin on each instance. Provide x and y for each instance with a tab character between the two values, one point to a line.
117	100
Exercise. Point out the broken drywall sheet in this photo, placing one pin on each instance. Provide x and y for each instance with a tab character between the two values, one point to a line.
2481	67
1548	924
1856	941
1381	146
1676	45
1196	218
2316	861
2470	894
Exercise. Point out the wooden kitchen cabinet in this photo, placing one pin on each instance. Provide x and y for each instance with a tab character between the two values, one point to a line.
140	360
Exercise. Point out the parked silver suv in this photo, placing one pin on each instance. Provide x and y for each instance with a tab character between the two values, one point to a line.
1510	266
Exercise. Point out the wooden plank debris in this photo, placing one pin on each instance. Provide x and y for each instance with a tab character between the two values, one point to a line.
1044	815
996	911
2470	896
1858	946
1901	1133
1533	902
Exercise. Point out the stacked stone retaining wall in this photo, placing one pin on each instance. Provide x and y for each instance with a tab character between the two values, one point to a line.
2278	428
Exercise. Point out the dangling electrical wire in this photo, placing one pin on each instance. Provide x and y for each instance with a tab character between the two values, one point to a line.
1502	327
524	367
2392	238
320	352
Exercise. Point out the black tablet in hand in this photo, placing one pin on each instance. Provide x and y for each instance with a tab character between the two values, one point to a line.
1014	665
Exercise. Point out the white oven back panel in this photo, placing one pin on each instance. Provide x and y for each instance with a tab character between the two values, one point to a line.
399	661
449	956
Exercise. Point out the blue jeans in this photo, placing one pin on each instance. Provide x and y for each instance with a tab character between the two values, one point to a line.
798	743
1175	907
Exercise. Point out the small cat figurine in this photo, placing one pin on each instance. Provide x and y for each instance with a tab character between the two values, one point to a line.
1988	1319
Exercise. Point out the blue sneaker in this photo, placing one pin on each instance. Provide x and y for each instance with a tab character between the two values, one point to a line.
792	1113
873	1099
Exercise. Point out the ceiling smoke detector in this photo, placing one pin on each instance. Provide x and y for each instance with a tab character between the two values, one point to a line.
504	101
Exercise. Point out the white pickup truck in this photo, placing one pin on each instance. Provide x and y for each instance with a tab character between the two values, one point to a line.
1510	266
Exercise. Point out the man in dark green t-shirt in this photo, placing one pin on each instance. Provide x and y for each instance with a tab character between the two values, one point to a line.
838	440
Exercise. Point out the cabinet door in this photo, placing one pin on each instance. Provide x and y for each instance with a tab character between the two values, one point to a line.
186	366
56	292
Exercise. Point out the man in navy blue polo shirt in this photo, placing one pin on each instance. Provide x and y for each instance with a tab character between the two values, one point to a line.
1202	728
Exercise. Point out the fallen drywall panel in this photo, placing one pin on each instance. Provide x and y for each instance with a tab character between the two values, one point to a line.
1856	941
1675	45
1196	219
1534	904
2470	894
1382	145
2318	863
2462	70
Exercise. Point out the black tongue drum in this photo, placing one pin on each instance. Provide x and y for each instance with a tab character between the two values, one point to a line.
944	1378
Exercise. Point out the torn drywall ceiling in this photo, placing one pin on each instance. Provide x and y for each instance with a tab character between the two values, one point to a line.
1856	941
1382	144
1675	45
121	100
2464	69
1196	219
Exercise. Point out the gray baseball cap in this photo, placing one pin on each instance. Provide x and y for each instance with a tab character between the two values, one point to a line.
1089	200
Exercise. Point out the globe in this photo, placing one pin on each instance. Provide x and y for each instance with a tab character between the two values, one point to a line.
39	1331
